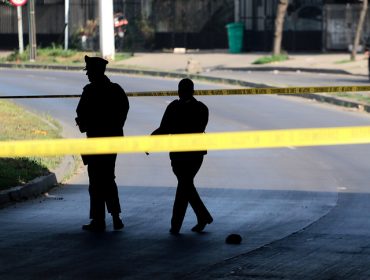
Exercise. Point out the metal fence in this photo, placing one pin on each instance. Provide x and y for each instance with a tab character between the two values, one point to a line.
192	23
152	24
340	25
49	21
157	24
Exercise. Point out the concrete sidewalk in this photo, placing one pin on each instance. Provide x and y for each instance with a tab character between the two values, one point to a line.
221	59
211	60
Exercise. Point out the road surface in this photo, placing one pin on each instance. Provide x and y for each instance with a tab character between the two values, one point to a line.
303	213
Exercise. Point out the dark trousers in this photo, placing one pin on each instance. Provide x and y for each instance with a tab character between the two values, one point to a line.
185	168
103	189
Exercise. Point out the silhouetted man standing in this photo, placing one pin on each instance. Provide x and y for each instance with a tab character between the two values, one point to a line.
101	112
186	115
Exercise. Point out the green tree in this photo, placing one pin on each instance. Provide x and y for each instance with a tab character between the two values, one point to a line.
278	34
359	28
6	2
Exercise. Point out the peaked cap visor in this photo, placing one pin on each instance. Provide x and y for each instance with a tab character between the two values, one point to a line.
95	63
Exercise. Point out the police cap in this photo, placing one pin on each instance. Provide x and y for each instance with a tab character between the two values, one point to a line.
96	63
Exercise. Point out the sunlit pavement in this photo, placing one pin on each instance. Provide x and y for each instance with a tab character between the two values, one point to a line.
303	213
211	60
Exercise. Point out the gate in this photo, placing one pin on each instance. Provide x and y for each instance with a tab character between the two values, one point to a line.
302	30
192	24
340	22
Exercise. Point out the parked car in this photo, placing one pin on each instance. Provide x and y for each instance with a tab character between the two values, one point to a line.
306	17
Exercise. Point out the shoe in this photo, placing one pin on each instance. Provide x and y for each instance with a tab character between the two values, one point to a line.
174	230
117	223
201	225
95	225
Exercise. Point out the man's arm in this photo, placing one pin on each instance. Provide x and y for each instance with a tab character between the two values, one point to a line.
125	106
203	120
166	123
81	113
117	107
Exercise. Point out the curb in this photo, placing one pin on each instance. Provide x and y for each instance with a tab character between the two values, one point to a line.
332	100
169	73
289	69
39	185
152	73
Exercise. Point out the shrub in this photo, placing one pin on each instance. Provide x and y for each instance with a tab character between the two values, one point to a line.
272	58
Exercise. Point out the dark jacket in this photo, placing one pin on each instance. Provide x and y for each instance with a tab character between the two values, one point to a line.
184	117
103	109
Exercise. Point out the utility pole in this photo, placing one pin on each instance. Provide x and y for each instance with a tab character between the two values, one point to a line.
106	29
66	26
32	29
174	23
237	11
20	29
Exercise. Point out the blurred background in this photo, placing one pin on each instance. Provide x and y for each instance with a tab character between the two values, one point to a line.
148	25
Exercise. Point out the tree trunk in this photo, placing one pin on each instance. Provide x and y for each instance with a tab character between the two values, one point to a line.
359	28
278	35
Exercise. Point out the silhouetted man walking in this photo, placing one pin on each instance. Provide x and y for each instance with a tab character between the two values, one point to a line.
101	112
186	115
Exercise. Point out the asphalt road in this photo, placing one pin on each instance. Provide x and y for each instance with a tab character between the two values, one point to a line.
303	213
276	78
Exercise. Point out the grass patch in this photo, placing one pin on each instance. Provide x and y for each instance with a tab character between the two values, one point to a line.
55	55
356	97
343	61
121	57
140	67
18	124
272	58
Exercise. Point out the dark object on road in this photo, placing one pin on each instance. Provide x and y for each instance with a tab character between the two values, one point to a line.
186	115
234	239
102	112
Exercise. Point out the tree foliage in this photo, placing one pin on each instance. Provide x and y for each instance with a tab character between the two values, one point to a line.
6	2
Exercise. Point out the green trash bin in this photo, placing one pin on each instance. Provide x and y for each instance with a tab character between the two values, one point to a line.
235	32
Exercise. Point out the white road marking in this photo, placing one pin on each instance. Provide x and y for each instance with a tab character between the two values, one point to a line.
32	76
168	102
341	188
292	148
49	78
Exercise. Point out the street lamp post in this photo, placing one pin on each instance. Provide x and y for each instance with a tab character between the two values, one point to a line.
106	29
32	29
66	22
19	4
20	29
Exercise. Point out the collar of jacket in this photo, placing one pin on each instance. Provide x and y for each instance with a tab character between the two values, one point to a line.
192	99
103	80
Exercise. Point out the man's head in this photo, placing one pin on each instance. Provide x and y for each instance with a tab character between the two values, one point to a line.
95	67
186	89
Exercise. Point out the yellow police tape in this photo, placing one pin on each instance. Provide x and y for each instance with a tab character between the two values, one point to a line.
254	91
189	142
246	91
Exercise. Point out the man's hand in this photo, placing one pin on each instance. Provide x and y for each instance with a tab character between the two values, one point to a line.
81	126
